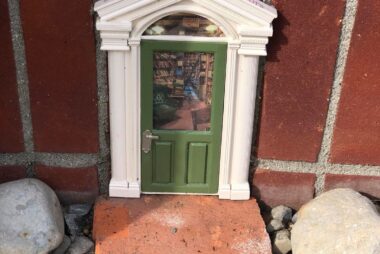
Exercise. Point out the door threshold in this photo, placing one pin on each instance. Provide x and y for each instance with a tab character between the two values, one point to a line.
179	224
180	194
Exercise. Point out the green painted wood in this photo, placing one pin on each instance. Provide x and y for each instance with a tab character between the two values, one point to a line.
197	163
181	139
162	169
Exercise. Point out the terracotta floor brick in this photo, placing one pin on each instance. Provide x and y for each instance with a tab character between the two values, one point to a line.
179	224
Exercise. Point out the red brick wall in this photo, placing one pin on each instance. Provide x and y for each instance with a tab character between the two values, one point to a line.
77	185
60	53
357	131
11	139
60	56
298	77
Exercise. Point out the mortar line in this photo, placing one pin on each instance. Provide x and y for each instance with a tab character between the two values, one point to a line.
30	172
64	160
344	45
22	73
319	168
104	150
319	184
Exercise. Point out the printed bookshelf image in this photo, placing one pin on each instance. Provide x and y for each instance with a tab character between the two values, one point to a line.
182	90
184	24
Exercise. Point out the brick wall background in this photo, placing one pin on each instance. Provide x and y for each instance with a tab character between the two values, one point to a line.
53	97
319	123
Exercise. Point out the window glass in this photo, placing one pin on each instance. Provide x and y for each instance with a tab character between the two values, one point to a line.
182	90
184	24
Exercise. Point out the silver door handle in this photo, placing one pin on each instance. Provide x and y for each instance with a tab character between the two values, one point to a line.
147	140
152	137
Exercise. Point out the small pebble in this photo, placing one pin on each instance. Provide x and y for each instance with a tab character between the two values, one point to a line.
80	245
281	242
86	231
174	230
275	225
282	213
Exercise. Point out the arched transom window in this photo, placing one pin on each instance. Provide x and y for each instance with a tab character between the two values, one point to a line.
185	24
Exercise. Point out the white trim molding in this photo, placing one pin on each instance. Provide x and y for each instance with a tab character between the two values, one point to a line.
247	25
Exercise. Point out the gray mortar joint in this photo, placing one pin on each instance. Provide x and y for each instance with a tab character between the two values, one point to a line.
22	73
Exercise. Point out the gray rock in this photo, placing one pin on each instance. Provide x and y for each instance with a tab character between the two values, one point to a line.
31	219
282	213
75	217
275	225
80	245
64	246
281	242
338	221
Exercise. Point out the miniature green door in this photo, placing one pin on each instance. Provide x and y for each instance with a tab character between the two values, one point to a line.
182	97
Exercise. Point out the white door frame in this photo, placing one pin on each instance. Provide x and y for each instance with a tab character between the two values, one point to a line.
247	27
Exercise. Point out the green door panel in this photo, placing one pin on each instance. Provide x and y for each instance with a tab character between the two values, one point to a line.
162	169
181	161
197	163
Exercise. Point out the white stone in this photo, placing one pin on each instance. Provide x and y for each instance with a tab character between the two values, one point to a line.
80	245
281	242
338	221
31	219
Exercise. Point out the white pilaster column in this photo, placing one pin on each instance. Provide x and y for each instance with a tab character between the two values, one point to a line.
228	120
243	124
133	133
116	64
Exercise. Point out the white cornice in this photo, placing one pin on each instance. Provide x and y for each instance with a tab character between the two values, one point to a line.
114	41
253	46
114	26
245	30
253	10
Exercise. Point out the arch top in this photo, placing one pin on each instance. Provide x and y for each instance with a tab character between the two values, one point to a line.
250	9
142	24
120	20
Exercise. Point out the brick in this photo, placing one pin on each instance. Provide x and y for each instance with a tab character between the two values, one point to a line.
61	58
11	173
298	78
72	185
275	188
179	224
10	123
368	185
356	135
